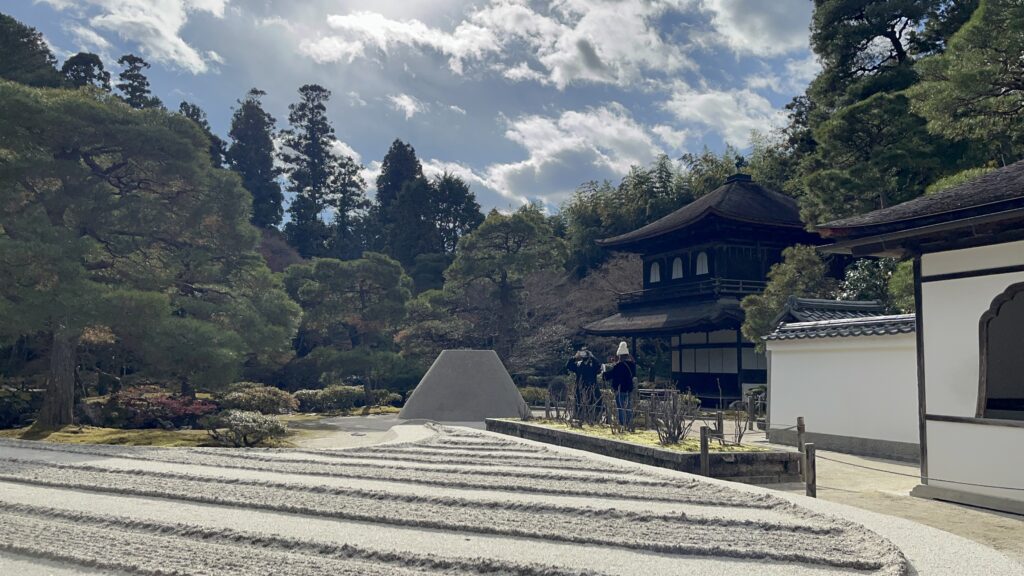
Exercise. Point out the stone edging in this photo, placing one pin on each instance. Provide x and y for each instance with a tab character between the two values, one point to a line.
767	467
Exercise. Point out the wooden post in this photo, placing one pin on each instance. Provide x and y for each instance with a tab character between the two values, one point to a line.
800	445
751	412
812	475
720	425
547	406
705	464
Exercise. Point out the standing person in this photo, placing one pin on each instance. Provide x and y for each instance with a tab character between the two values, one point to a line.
621	376
586	368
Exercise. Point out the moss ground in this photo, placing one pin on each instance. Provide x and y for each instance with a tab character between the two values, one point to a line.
96	435
642	437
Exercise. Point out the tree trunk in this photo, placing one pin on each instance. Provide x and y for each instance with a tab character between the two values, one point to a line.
187	390
59	403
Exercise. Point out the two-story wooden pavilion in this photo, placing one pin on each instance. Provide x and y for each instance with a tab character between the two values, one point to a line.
698	263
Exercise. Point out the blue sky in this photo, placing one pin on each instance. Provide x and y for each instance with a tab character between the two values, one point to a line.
525	100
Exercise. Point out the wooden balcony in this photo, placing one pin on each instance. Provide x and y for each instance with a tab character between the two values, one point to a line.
693	289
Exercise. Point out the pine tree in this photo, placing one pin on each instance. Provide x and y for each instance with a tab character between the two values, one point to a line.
252	156
134	86
24	55
321	179
456	211
218	150
85	69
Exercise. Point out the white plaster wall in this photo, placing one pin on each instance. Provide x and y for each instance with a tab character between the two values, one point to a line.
979	454
979	258
952	312
862	387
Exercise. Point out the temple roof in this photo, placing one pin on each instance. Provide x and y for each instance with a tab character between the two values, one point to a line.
993	199
669	318
845	327
739	199
817	309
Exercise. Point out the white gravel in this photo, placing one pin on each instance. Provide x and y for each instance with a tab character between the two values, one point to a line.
457	502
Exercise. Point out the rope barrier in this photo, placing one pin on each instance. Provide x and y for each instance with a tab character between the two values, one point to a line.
820	457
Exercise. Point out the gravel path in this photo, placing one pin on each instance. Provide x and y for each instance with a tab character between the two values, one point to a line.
457	486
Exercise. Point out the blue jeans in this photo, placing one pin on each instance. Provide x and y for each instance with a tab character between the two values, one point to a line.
624	403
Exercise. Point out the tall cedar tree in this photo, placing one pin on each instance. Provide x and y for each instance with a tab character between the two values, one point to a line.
251	155
115	219
322	180
85	69
400	166
457	212
218	149
134	85
24	56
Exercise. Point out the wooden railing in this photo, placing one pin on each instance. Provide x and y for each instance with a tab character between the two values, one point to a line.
715	286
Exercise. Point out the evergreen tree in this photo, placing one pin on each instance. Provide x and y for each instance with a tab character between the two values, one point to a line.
497	257
974	90
218	149
252	156
321	179
133	85
400	165
456	211
85	69
139	235
24	55
414	229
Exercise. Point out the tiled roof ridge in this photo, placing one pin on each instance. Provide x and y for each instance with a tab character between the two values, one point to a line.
857	320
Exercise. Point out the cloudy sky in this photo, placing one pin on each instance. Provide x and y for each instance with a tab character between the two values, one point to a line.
524	99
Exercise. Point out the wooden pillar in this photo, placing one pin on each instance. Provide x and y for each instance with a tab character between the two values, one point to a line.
800	445
812	474
705	464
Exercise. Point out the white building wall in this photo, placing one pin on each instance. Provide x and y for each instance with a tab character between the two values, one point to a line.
859	387
952	309
952	313
979	454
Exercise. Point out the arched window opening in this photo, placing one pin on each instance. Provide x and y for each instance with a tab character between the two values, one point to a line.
655	272
702	263
1001	386
677	268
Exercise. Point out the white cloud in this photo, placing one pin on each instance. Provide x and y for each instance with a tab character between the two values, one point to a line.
355	99
406	104
155	25
601	142
759	27
573	41
672	138
339	147
88	39
457	109
731	113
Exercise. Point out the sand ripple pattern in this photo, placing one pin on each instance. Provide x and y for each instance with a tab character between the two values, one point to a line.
808	538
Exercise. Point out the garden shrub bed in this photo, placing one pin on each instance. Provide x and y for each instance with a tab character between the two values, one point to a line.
737	463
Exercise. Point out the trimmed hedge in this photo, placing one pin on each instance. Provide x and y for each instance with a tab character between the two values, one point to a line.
262	399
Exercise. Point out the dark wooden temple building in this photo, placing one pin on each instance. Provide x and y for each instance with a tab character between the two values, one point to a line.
698	263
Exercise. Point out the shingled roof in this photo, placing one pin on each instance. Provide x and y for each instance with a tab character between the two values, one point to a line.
994	193
817	309
668	318
845	327
739	199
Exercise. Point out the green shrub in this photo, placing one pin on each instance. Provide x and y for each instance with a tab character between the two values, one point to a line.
142	407
534	395
330	399
18	407
240	428
262	399
242	386
386	398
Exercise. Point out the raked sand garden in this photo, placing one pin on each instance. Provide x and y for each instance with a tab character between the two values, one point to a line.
433	500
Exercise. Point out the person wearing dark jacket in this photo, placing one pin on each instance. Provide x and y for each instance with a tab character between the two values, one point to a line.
586	368
621	376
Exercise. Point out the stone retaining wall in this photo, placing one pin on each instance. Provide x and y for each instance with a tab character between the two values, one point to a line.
750	467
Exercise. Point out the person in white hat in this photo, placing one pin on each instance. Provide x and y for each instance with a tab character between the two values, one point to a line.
622	376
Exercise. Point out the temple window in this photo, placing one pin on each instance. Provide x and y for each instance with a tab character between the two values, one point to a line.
655	272
702	263
677	268
1001	385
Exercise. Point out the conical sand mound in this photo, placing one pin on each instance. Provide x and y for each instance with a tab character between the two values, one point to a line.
465	386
